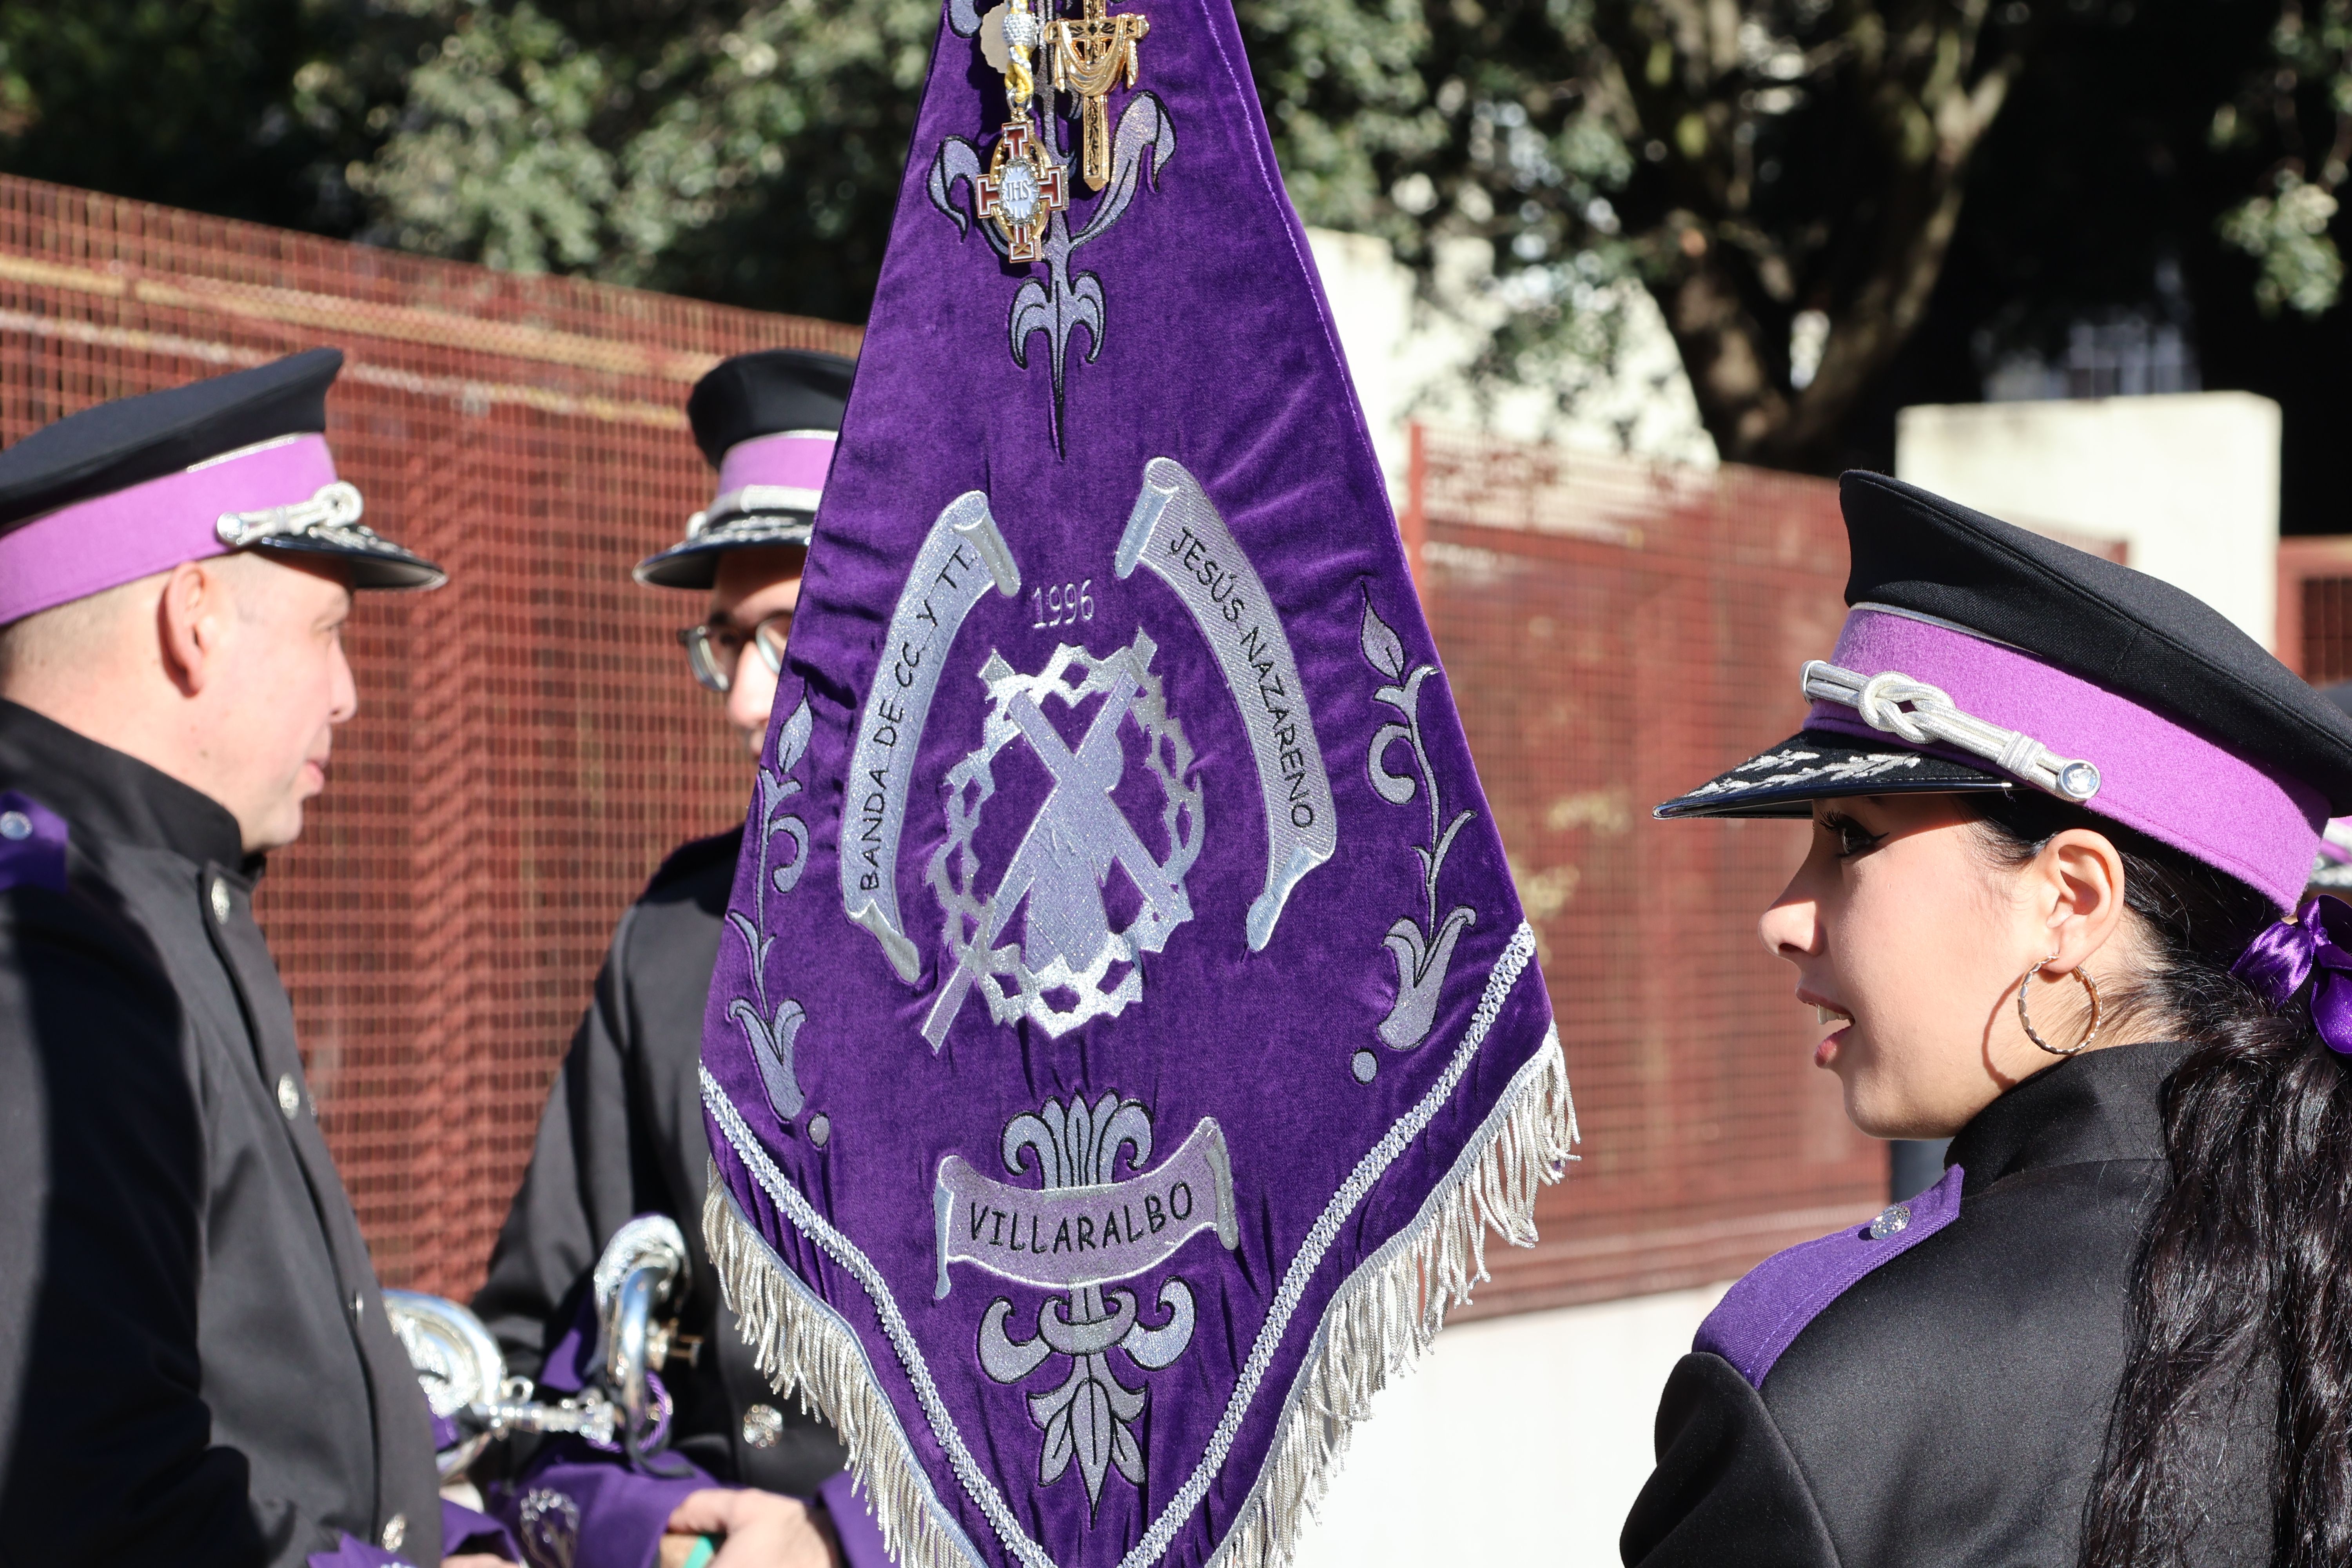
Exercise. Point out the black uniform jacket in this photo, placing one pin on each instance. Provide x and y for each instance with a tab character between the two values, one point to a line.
1951	1406
623	1135
195	1365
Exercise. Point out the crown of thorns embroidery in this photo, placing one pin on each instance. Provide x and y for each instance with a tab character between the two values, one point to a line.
1061	970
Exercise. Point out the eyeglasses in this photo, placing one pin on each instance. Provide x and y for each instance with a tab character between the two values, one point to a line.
712	652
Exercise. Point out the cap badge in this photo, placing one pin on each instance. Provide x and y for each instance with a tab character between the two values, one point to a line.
334	510
1925	715
1089	55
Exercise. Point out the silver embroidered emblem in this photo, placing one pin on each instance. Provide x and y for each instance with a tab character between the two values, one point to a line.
1144	1217
1069	946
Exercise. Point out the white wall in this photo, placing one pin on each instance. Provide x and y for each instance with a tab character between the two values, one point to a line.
1517	1440
2189	482
1409	357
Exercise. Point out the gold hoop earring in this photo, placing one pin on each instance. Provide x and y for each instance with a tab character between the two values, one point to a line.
2025	1017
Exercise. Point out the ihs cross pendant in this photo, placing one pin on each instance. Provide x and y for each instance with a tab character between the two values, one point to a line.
1023	187
1021	191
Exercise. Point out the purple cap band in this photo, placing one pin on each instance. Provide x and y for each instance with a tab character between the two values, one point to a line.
794	461
2156	775
110	539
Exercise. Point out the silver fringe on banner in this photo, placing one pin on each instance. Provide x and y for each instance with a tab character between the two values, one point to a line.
1377	1325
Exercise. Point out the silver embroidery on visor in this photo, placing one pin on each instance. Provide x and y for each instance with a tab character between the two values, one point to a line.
1924	715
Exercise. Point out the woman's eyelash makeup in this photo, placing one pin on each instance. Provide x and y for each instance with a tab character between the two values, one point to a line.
1852	837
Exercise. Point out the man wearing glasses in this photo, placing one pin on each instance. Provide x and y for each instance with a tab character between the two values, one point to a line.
622	1131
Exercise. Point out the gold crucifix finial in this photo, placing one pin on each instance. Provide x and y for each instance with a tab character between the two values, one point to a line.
1090	57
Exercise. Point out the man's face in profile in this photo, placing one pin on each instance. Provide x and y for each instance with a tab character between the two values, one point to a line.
284	685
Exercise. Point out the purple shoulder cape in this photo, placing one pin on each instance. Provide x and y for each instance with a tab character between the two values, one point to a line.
1127	1030
1762	1315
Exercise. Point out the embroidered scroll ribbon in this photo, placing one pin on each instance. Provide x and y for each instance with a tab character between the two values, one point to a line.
1064	1237
1177	533
963	557
2315	948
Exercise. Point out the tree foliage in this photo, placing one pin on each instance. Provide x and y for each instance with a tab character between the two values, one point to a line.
250	109
743	153
1833	201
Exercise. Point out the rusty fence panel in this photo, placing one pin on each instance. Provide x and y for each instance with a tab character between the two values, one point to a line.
528	744
1616	633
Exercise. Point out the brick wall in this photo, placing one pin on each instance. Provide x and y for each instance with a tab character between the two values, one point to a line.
528	744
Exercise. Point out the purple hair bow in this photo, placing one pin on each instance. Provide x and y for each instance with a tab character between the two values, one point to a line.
2287	954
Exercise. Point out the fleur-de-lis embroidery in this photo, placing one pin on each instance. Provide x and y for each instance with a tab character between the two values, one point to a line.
1092	1417
771	1029
1139	150
1422	951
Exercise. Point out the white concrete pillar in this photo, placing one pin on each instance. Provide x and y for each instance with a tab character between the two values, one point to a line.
2188	483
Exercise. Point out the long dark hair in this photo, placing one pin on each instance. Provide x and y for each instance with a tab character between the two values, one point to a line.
2244	1282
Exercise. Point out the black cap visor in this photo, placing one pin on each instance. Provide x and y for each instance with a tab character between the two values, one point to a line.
695	563
1819	764
379	564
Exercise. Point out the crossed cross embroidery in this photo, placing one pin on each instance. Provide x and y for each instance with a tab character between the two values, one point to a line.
1064	858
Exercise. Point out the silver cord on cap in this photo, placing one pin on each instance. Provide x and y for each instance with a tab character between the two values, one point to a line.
1924	715
752	501
336	507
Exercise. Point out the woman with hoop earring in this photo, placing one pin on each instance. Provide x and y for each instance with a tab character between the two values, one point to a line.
2063	816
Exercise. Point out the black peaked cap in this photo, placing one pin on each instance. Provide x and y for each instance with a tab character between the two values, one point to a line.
114	446
2145	639
766	394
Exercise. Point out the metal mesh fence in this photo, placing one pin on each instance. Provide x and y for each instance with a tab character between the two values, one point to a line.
529	745
1616	635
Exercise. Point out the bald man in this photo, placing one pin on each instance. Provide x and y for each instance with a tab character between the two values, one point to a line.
194	1364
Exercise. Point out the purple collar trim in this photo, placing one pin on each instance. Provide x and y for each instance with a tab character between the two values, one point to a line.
2159	777
1762	1315
110	539
33	840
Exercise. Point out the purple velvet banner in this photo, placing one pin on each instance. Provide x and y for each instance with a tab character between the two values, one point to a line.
1115	833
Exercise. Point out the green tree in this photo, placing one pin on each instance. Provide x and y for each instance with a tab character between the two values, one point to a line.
1784	176
250	109
1749	164
1837	203
749	154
